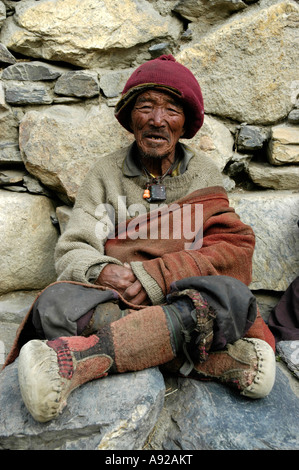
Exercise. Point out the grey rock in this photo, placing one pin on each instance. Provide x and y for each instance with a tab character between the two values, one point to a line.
273	216
65	99
194	9
113	82
3	105
228	183
251	138
210	13
5	56
83	84
208	416
215	140
13	308
34	186
10	153
73	138
228	62
293	117
15	305
117	412
15	188
283	147
133	411
11	177
236	168
27	241
87	33
9	127
158	49
187	35
7	335
2	13
267	300
289	352
274	177
17	93
31	71
63	214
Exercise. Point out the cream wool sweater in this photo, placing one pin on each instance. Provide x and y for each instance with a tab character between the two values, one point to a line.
80	254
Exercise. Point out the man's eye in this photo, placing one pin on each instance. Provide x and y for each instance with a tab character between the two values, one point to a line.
143	108
173	110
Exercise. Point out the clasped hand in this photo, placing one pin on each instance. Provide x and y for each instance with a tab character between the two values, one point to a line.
123	280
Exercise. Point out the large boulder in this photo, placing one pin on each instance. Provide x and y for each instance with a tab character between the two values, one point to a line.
203	14
59	144
27	241
215	140
85	32
248	67
273	215
126	412
113	413
208	416
274	177
72	139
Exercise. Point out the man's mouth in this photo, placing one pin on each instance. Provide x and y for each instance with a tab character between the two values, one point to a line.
156	137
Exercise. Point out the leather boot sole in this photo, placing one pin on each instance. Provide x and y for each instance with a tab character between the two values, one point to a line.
247	365
266	370
39	380
43	388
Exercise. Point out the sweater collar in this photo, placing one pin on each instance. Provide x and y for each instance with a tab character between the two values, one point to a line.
130	167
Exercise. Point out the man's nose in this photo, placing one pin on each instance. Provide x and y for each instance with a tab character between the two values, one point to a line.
158	117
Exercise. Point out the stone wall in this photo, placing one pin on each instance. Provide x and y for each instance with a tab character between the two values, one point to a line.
63	66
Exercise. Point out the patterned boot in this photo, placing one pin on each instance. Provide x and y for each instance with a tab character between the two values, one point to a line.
248	365
50	370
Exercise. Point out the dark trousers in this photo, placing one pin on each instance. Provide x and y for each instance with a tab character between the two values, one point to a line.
58	310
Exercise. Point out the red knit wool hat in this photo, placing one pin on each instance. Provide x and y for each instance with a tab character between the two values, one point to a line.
168	75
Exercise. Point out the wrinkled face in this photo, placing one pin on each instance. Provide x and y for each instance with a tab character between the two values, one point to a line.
157	121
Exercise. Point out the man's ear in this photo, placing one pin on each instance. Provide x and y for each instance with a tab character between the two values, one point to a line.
185	123
130	120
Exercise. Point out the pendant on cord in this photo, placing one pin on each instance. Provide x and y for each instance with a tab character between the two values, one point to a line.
154	192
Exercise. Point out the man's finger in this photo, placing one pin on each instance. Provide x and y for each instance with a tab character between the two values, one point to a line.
136	294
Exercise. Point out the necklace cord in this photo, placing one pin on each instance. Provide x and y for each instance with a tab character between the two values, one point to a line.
160	178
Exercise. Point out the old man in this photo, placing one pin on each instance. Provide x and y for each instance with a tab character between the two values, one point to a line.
154	266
